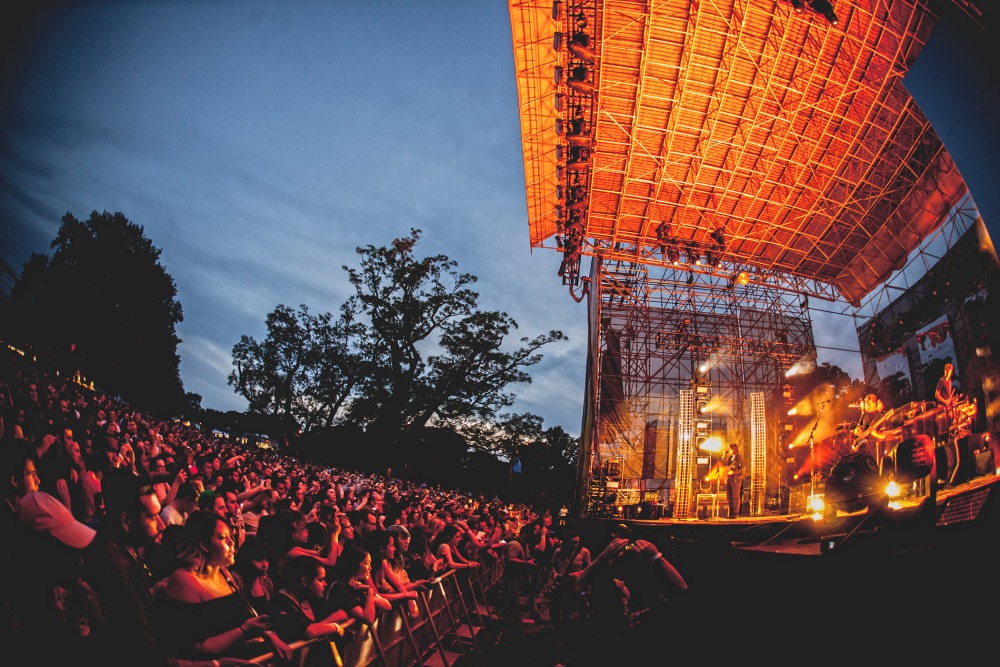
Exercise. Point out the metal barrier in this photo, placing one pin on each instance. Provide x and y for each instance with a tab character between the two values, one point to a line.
454	612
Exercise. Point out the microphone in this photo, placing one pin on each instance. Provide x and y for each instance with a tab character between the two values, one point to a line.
824	403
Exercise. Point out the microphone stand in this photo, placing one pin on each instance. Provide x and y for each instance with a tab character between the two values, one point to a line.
812	453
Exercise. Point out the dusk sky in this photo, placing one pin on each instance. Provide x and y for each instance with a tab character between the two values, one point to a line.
259	142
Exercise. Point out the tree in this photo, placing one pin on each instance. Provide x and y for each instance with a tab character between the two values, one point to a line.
413	304
306	368
545	458
410	351
103	305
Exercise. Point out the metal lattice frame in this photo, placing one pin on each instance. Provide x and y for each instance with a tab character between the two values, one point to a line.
666	342
684	478
795	138
712	140
758	453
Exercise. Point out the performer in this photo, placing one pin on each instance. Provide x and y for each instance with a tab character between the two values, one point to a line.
734	480
867	436
946	398
944	394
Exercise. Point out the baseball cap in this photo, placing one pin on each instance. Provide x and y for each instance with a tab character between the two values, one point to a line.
39	511
398	530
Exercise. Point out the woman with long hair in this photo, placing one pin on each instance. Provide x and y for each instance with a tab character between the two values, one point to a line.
381	545
203	614
300	611
353	589
446	547
250	572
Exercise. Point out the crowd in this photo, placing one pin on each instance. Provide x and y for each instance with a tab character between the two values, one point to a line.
147	541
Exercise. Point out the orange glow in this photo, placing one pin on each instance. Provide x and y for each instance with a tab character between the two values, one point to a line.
717	473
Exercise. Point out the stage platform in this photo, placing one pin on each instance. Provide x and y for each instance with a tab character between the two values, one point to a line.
959	514
917	584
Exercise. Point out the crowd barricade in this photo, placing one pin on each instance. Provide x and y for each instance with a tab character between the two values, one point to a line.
454	612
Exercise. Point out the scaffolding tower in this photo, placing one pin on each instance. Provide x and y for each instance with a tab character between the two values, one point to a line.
682	356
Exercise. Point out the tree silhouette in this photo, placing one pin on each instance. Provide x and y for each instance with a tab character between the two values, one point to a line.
104	307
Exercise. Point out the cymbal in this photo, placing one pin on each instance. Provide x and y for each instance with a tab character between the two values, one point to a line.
843	425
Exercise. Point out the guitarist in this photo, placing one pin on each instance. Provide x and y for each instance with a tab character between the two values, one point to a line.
867	437
946	398
734	480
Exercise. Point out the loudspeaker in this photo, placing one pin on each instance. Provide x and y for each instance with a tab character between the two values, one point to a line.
984	462
914	458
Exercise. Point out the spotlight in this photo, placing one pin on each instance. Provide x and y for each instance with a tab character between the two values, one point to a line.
825	9
663	232
797	5
579	80
743	278
578	159
693	254
579	45
673	255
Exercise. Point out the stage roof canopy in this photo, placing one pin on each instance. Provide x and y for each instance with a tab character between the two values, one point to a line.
775	137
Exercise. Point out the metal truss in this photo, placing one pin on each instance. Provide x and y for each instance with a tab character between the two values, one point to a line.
660	338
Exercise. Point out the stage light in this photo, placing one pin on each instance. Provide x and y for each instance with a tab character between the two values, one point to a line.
825	9
578	156
743	278
711	444
798	5
579	80
579	46
693	253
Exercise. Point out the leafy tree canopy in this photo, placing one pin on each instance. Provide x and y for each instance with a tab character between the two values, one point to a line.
411	349
105	307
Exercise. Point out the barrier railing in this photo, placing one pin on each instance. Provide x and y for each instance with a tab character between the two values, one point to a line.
454	611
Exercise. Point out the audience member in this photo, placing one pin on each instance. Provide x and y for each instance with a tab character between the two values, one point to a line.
381	544
568	563
51	604
250	572
353	590
185	502
201	612
115	567
626	588
300	611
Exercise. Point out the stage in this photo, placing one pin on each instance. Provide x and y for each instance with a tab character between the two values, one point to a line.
917	583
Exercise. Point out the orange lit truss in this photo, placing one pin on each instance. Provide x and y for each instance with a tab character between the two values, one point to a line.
720	162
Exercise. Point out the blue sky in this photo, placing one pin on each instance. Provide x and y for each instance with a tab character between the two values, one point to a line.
259	142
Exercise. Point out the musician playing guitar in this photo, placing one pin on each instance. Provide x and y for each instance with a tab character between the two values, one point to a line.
734	480
867	436
947	398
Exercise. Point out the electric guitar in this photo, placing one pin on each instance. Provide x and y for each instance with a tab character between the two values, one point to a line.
861	434
733	469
